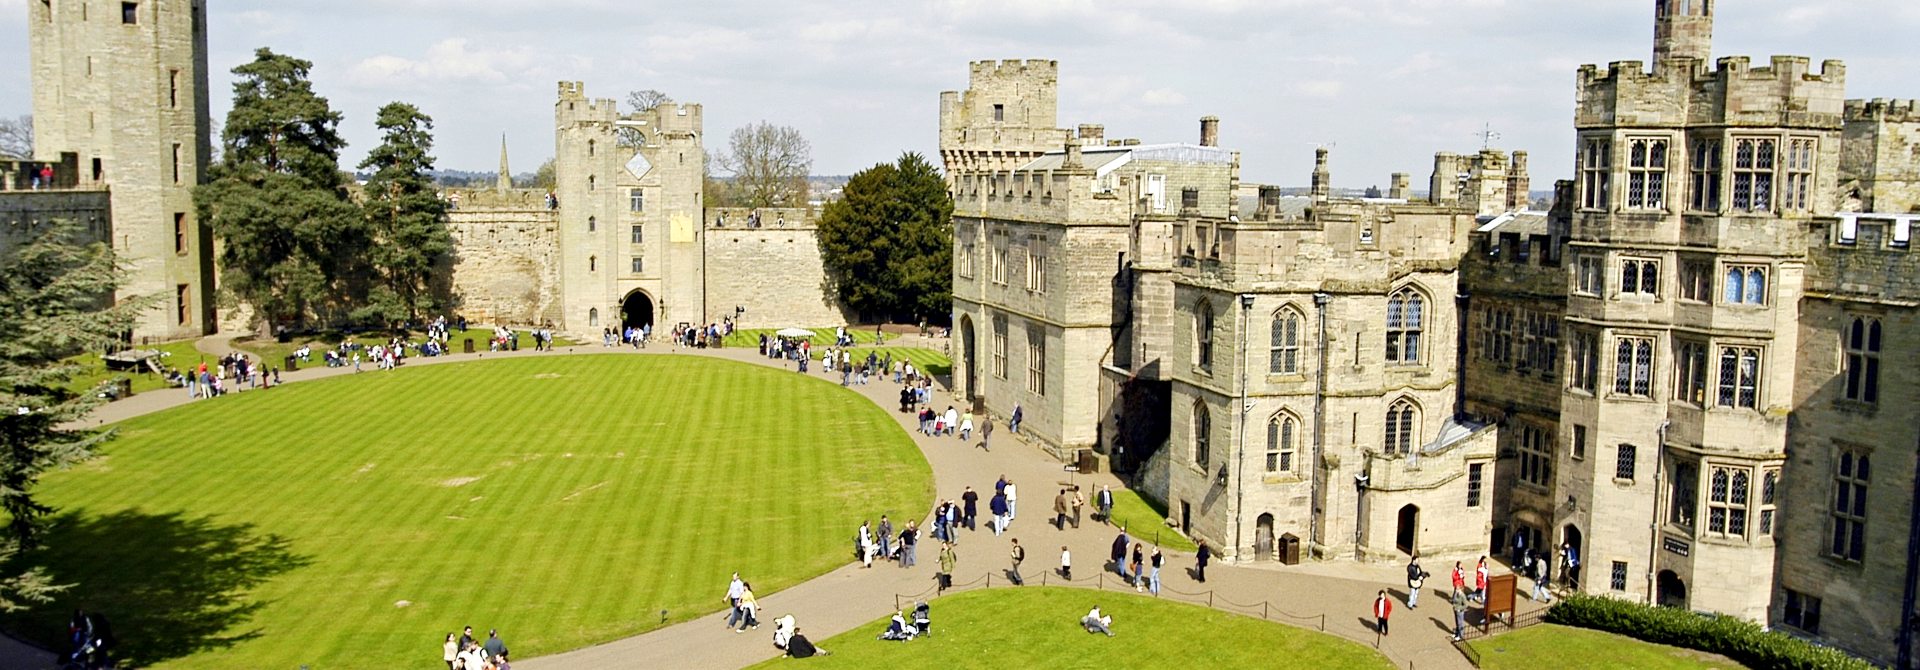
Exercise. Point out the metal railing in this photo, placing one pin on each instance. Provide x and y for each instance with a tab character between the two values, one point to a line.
1264	609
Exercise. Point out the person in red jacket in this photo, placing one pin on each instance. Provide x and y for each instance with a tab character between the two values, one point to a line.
1382	608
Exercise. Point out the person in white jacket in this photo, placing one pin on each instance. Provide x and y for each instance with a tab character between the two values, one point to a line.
783	628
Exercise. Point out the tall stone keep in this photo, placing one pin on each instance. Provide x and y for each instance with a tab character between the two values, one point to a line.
1005	118
123	86
1682	29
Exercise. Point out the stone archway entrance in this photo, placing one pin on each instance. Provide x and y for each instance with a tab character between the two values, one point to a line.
1671	592
1263	538
967	351
636	311
1406	535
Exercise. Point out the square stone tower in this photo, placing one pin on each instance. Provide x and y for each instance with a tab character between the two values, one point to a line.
1004	119
123	85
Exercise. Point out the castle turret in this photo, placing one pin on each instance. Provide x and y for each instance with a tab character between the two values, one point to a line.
1682	29
1399	188
504	182
1322	179
1209	131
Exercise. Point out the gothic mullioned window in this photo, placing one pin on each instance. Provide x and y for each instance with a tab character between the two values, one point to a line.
1646	173
1739	377
1705	160
1535	446
1850	478
1727	497
1587	276
1283	440
1633	367
1284	350
1202	434
1696	279
1799	164
1596	166
1036	362
1585	363
1203	336
1753	164
1862	341
1690	372
1681	492
1769	481
1640	276
1403	419
1625	462
1745	285
1406	321
1000	347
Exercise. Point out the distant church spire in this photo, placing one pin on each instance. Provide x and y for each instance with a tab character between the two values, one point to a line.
505	182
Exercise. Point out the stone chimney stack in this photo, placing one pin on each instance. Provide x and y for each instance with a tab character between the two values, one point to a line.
1518	183
1444	189
1092	135
1269	203
1399	188
1322	180
1209	131
1073	161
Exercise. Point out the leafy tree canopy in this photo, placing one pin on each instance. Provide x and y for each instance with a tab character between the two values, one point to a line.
888	245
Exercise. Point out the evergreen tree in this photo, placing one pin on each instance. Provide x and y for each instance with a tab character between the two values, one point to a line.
52	306
294	244
889	243
408	219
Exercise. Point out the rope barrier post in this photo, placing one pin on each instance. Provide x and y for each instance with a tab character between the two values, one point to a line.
1209	598
1263	609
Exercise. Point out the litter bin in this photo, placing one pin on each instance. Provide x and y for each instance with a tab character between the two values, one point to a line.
122	387
1289	549
1088	462
468	347
292	363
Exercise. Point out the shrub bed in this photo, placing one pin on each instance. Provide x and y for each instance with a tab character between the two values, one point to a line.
1740	640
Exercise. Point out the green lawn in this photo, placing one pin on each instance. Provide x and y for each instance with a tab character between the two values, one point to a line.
1550	646
353	522
822	336
173	355
1143	519
1038	627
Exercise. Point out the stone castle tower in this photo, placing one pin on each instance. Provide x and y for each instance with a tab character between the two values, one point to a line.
630	218
1004	119
123	86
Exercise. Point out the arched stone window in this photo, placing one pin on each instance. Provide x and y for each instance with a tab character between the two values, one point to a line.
593	317
1406	321
593	263
1283	442
1403	421
1284	350
593	223
1202	434
590	147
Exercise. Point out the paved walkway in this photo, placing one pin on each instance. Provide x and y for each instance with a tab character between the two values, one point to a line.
1335	597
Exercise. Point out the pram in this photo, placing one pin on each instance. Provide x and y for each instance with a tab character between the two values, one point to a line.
923	619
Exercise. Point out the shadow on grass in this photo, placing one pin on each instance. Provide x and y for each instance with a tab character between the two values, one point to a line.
172	586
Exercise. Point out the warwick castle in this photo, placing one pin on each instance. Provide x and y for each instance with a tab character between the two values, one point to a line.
1674	376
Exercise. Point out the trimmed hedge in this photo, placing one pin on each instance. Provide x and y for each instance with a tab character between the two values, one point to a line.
1743	641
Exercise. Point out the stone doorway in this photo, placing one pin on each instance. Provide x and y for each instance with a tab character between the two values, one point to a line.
1406	535
1671	591
971	382
1263	538
636	311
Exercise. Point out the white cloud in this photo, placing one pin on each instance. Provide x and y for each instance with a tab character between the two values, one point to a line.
1163	97
1323	88
451	61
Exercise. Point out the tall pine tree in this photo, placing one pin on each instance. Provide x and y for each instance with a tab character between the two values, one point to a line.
294	244
54	302
408	219
888	244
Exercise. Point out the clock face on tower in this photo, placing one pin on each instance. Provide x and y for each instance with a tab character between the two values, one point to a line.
638	166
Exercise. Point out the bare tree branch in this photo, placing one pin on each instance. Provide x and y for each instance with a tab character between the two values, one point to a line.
16	137
644	100
769	165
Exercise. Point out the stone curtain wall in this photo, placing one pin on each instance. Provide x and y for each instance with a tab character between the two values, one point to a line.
774	271
506	258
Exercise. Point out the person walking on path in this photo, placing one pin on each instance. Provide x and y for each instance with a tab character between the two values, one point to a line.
1382	608
1119	553
1019	554
1153	580
1013	502
970	503
1459	577
866	545
885	536
1060	510
734	590
449	651
986	430
1570	565
966	426
1013	424
1539	565
1139	560
1200	563
1480	581
1104	502
1077	501
1416	577
947	559
998	506
751	607
1066	563
1459	613
495	647
908	538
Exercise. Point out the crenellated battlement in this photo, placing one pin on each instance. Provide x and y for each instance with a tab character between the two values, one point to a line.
1882	109
1787	92
1014	67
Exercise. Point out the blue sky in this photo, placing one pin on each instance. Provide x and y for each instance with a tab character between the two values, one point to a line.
1386	82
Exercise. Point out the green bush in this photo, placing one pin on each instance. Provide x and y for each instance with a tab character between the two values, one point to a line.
1743	641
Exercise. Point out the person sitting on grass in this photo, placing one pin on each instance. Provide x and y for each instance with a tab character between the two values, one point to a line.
1095	622
801	647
